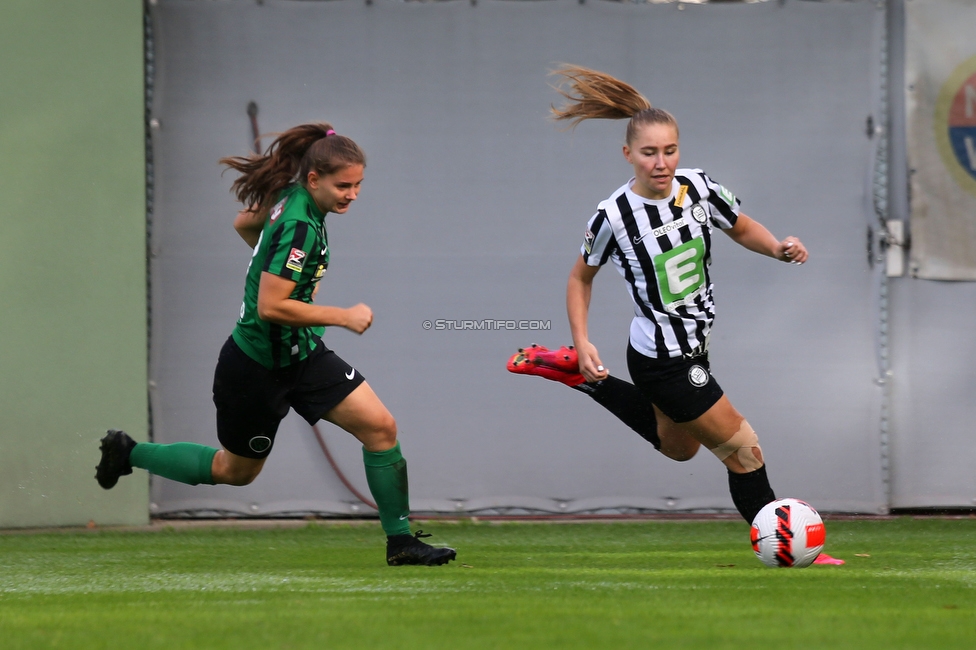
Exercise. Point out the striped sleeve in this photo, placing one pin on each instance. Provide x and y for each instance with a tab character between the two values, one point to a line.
598	240
292	241
723	203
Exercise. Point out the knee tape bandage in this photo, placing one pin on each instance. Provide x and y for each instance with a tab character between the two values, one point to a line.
744	443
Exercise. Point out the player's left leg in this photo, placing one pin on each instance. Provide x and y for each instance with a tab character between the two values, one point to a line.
691	406
363	415
723	431
728	435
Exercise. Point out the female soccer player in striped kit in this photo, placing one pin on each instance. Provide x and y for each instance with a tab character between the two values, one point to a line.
657	229
275	359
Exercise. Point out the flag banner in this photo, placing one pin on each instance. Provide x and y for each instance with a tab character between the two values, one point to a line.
940	70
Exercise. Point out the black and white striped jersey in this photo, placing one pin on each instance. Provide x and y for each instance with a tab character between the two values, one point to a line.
663	249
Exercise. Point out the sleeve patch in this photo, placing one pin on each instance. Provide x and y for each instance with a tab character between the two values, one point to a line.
277	210
588	238
296	260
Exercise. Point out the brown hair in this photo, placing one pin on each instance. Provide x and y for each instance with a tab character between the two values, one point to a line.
288	160
597	95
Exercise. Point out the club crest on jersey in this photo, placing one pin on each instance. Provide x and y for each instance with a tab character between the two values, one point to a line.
698	213
588	238
296	260
278	209
698	376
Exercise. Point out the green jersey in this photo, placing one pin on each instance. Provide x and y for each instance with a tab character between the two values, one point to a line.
294	246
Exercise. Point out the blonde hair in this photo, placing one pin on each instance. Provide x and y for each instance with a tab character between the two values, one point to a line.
595	95
288	160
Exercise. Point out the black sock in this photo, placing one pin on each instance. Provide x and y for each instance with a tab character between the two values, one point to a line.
750	492
624	400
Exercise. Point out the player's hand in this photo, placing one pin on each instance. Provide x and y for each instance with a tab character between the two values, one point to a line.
792	250
249	223
359	318
589	362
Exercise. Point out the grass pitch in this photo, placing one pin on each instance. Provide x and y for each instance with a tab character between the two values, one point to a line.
908	583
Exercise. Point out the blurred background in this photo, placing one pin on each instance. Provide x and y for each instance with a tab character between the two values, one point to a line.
849	124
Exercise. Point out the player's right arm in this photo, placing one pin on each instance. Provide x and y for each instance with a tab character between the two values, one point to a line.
578	292
249	223
275	305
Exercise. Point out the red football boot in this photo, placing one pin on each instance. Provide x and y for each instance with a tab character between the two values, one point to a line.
560	365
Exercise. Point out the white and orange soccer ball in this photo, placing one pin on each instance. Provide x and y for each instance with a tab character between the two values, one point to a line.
787	533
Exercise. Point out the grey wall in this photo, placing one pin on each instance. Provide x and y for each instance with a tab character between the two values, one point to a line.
473	208
932	394
932	376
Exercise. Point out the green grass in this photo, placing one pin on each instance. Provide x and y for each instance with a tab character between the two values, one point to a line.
661	584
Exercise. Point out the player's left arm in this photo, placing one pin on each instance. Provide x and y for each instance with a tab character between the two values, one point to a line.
275	305
249	223
751	234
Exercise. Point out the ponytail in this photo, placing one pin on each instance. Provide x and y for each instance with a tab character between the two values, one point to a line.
597	95
289	159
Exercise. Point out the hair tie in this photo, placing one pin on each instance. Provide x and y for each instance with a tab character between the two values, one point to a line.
329	132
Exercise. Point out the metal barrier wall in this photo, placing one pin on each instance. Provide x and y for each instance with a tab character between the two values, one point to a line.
72	258
473	209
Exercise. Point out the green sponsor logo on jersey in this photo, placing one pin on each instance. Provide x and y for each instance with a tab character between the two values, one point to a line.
681	273
726	195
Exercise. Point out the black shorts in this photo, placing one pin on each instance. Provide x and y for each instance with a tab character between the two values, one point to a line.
683	388
252	400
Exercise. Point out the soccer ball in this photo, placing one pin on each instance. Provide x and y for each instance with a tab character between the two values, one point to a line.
787	532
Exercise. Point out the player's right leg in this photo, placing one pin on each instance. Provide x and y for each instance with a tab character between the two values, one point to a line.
186	462
231	469
251	401
619	397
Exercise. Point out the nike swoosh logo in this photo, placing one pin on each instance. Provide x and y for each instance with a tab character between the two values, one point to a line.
351	374
638	240
402	517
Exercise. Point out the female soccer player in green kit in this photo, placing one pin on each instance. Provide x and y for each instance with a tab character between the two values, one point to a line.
275	359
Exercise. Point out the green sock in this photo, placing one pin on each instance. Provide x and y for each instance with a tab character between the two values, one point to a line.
386	475
186	462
